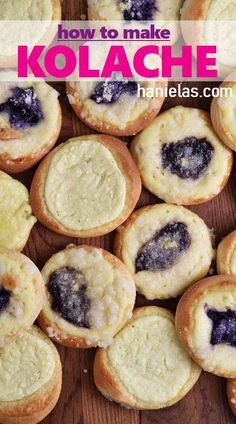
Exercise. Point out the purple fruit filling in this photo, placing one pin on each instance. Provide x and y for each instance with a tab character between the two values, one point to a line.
139	10
4	298
23	108
107	92
67	287
187	158
223	326
163	250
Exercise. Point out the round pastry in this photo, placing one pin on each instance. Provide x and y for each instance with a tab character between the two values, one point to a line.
30	121
231	394
86	187
39	26
22	294
206	323
137	10
226	255
180	158
222	113
207	22
166	248
16	219
31	375
115	105
145	367
90	296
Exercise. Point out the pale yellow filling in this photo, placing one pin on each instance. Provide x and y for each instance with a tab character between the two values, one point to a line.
212	357
110	289
16	219
25	10
25	366
84	187
149	361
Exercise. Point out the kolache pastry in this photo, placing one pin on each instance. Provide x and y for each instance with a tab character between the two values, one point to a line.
166	248
206	324
31	375
231	394
180	157
222	112
206	22
113	105
226	255
145	367
39	28
22	294
86	187
137	10
30	121
16	219
90	296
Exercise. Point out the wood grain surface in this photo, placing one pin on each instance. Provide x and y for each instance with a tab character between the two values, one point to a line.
80	402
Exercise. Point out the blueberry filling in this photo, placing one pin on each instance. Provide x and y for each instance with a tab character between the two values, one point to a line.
4	298
23	108
67	287
163	250
223	326
107	92
187	158
139	10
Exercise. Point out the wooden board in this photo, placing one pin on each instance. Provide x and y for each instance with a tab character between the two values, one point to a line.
80	402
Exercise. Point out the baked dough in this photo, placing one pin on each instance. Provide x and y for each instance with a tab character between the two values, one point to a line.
223	113
211	27
31	377
116	105
90	296
226	255
86	187
16	219
22	294
30	121
166	248
40	25
231	394
180	158
156	10
206	322
145	367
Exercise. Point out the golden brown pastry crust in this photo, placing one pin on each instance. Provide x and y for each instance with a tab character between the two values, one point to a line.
184	312
125	163
37	406
131	129
224	252
193	11
13	166
11	61
231	394
216	116
110	385
57	334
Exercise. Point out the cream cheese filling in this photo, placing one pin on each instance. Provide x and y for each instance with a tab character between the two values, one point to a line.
25	366
149	360
84	187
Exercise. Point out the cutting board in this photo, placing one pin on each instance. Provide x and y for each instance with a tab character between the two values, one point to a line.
80	402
